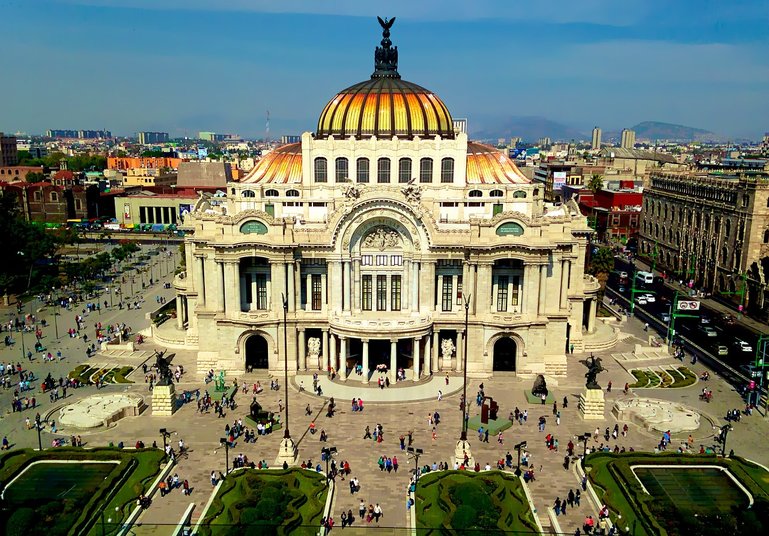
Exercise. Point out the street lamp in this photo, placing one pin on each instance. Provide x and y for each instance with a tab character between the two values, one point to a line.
223	441
415	454
520	446
725	429
56	306
166	435
584	437
327	452
286	433
463	436
39	426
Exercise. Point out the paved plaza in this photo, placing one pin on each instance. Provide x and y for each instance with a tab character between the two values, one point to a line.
399	409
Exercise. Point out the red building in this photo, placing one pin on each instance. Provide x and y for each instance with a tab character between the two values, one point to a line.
614	214
48	203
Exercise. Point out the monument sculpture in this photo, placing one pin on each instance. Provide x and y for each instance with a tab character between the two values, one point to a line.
593	365
220	384
447	351
313	352
591	401
540	386
163	399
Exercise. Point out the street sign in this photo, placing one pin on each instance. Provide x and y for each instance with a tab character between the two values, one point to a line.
688	305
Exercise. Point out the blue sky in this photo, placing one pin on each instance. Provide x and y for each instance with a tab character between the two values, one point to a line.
189	65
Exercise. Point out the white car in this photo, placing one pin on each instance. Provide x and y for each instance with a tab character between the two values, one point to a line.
641	300
742	345
650	298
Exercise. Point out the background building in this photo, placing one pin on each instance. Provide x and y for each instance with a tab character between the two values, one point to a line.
147	138
8	152
596	141
628	139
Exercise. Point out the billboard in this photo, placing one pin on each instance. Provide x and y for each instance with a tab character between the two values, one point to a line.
559	179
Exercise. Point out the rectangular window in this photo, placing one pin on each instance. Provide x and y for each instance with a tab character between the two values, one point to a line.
396	260
447	170
459	290
269	208
395	293
502	281
342	170
404	170
362	169
316	293
383	170
366	260
381	293
516	290
426	170
261	292
446	293
142	214
381	260
497	209
365	294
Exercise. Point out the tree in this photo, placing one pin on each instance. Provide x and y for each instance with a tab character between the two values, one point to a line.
34	176
602	262
595	183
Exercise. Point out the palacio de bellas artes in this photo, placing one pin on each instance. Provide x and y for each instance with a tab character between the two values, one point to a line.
386	240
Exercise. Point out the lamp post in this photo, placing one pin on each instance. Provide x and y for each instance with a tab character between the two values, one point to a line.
38	426
327	452
415	454
725	429
56	306
463	435
520	446
165	434
226	444
584	437
286	433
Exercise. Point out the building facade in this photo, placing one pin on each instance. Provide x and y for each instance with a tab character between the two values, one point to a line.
628	139
373	239
595	143
146	138
711	229
8	151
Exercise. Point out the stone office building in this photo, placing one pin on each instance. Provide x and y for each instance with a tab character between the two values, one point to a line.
712	229
383	231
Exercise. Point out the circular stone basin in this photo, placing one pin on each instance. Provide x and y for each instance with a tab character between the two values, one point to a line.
657	415
100	410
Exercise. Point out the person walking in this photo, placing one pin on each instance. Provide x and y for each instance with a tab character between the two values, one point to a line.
377	512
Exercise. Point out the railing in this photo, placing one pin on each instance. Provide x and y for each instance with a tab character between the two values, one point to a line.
380	324
591	283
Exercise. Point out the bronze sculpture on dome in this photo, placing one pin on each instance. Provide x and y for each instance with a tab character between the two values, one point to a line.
386	56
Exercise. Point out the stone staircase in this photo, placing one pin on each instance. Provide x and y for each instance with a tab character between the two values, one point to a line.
126	354
557	483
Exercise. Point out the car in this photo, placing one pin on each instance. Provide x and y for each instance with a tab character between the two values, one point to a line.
742	345
728	319
708	331
641	300
622	274
722	349
621	288
704	319
650	298
664	316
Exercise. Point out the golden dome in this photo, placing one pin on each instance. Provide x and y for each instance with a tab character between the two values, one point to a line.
487	165
282	165
385	107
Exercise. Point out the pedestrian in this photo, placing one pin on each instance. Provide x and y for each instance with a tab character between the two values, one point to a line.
571	348
584	485
570	497
565	403
646	326
544	398
555	408
435	434
440	395
447	378
213	478
557	506
577	497
377	512
608	387
362	509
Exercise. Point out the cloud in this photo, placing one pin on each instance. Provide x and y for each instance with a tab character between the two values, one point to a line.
552	11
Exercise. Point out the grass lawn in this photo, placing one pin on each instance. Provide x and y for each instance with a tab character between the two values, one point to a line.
494	502
54	499
262	502
87	374
681	500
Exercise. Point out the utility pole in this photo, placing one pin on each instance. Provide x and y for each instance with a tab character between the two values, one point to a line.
739	292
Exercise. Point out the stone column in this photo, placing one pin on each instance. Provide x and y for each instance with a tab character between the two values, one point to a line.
406	286
347	294
343	357
302	350
332	355
308	292
277	286
591	316
323	292
427	286
494	292
179	312
565	266
231	290
415	355
326	352
393	359
483	287
526	287
460	350
254	291
220	293
297	284
414	304
427	358
291	286
200	281
542	289
435	348
365	360
356	285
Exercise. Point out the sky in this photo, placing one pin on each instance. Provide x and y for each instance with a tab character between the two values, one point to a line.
182	66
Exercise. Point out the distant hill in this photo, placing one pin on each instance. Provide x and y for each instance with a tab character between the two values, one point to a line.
530	128
656	130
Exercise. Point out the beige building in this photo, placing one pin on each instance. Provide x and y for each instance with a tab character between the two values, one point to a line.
712	229
382	230
146	177
628	139
596	140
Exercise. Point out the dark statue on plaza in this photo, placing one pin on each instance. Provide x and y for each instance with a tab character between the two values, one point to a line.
386	56
163	366
540	386
593	365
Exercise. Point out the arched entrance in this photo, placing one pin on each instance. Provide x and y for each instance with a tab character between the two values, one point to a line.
256	353
504	354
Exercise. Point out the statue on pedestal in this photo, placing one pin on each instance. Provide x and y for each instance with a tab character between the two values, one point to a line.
593	365
219	382
447	348
163	366
313	348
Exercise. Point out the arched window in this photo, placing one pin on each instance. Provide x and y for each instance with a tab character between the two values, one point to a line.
426	170
54	196
248	193
321	169
724	255
728	228
292	193
383	170
362	169
475	193
271	193
404	170
447	170
342	167
520	194
498	193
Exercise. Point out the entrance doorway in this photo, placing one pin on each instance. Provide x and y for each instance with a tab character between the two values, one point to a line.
256	353
504	354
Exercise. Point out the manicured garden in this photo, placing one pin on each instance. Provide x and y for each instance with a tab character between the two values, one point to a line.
672	378
681	500
87	374
449	502
262	502
53	497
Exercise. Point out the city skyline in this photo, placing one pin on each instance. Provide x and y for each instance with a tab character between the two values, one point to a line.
182	67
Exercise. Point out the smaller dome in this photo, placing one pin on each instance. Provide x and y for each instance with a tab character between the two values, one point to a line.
282	165
487	165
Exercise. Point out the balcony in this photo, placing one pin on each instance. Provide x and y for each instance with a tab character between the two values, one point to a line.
591	284
181	282
361	325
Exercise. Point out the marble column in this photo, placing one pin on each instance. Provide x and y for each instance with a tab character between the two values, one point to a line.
435	354
427	287
297	285
179	313
591	316
416	358
542	305
220	292
200	281
365	360
308	292
460	350
231	289
356	287
347	291
342	368
291	296
526	288
335	299
484	289
393	359
406	278
254	291
323	292
331	361
326	352
565	267
302	351
428	363
414	304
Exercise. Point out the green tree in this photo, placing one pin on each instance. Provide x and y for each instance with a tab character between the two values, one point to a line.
595	183
35	176
602	262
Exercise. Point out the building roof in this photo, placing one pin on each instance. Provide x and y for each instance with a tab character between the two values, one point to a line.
637	154
487	165
282	165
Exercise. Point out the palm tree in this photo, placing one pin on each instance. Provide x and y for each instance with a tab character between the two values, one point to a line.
595	183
